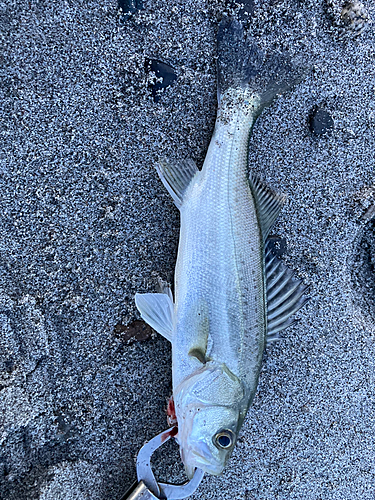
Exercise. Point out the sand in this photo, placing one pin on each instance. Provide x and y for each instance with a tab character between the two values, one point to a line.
86	223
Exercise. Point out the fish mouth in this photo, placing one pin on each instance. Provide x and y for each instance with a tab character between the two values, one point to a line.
201	458
207	467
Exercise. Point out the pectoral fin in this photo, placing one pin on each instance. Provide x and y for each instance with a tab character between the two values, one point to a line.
158	311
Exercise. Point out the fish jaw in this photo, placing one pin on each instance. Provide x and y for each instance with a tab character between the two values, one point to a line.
200	459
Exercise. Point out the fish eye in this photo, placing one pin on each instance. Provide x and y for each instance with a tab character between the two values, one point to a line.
224	439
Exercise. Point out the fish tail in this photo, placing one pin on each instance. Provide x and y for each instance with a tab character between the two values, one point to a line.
241	63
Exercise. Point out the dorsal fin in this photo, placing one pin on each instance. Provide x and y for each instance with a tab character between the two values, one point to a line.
268	204
176	177
285	294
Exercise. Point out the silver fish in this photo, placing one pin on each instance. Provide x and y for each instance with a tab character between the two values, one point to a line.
232	295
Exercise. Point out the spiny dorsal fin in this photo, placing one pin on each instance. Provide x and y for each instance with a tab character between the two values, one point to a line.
176	177
285	295
268	204
158	311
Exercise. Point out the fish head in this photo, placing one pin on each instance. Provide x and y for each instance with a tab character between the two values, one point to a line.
209	414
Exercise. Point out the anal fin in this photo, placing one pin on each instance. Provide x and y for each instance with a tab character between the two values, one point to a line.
285	295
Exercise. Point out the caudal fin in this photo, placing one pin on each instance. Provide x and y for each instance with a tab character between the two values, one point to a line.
242	64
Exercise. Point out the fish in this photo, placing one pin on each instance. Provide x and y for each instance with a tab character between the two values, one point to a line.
232	295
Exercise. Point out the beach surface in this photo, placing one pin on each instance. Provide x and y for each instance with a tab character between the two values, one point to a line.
86	223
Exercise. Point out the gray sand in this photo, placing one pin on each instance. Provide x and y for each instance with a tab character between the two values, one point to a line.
86	223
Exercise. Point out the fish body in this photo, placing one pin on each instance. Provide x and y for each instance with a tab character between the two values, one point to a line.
219	319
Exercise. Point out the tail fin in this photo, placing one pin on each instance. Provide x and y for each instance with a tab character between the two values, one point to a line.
242	64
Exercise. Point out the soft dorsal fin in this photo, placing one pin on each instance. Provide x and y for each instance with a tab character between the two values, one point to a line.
157	310
285	294
268	204
176	177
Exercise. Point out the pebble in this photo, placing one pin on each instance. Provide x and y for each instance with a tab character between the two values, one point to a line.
164	77
320	121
